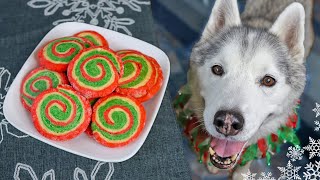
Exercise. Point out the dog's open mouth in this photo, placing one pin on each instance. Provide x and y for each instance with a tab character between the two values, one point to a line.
224	153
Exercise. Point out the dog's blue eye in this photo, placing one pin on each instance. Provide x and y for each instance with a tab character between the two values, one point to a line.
217	70
268	81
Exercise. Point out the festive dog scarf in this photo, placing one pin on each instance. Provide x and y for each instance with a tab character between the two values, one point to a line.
200	141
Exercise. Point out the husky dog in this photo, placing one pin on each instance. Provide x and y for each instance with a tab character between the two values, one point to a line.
247	75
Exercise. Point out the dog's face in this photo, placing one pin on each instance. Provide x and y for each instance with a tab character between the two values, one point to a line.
249	79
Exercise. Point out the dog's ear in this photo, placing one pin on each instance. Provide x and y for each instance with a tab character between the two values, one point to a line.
225	13
289	27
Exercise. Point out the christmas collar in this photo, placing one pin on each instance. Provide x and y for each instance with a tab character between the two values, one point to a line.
200	141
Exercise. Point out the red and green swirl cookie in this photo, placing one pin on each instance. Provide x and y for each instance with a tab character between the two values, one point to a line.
117	120
89	131
124	51
37	81
61	113
139	75
94	38
94	72
157	84
57	54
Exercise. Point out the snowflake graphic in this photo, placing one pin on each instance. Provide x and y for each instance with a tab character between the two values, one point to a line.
249	175
317	110
103	12
295	153
289	172
313	171
313	147
5	77
266	176
27	169
5	127
23	170
317	123
81	174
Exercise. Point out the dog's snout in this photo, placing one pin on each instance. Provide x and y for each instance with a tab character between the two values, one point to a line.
228	123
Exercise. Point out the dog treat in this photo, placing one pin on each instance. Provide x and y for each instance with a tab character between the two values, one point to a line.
139	75
38	80
61	113
94	38
57	54
94	72
117	120
157	84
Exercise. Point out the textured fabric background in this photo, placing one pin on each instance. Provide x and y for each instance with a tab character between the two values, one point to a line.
22	27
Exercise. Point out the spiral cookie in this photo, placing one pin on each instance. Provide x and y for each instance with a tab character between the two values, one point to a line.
94	38
124	51
117	120
57	54
139	75
94	72
38	80
88	130
157	84
61	113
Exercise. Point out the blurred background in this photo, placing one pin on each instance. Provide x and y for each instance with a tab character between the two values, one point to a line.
179	25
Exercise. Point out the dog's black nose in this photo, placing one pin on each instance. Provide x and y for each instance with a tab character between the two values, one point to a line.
228	123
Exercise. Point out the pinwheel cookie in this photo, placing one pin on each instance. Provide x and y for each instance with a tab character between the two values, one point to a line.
94	38
61	113
95	72
57	54
142	76
38	80
117	120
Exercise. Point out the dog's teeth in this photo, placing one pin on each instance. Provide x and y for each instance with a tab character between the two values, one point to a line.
234	157
211	151
229	161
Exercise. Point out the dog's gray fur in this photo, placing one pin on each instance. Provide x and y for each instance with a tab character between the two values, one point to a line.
295	73
263	13
255	34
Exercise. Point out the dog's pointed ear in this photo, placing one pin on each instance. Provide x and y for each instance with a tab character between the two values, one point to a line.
225	13
289	27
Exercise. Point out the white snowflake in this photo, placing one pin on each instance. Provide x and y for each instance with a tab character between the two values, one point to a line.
249	175
313	171
103	12
289	172
317	110
81	174
295	153
5	77
22	171
266	176
313	148
20	167
317	128
5	127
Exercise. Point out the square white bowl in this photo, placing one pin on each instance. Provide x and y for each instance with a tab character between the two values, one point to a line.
83	145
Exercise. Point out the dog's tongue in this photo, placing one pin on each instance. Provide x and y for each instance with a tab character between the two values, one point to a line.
225	148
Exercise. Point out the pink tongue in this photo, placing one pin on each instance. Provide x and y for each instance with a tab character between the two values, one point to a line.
225	148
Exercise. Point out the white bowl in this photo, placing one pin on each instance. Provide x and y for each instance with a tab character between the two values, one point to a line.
84	145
